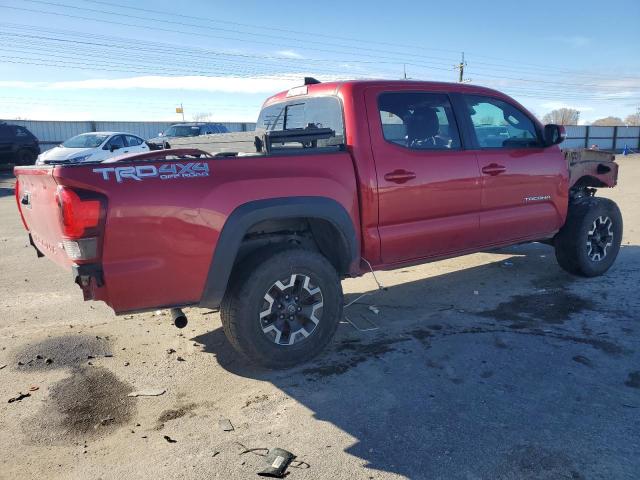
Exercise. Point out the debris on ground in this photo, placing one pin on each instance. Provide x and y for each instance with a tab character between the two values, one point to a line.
2	366
507	263
107	421
48	361
159	313
180	359
151	392
169	439
170	351
33	388
278	461
19	397
374	309
225	425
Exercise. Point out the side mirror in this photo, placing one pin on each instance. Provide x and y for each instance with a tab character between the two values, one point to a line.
554	134
113	147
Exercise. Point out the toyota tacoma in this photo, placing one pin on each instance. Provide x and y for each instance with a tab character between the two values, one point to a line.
341	179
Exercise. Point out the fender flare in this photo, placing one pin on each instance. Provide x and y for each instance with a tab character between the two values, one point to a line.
251	213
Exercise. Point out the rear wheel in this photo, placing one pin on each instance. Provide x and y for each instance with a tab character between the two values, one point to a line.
588	243
25	157
282	307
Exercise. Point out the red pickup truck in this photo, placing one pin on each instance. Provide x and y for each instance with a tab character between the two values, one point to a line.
343	178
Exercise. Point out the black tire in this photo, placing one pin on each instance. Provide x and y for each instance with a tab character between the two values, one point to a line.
25	157
246	299
581	252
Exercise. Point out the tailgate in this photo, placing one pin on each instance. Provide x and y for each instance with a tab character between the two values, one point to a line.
36	195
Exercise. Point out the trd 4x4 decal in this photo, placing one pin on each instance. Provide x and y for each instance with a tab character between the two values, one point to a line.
165	171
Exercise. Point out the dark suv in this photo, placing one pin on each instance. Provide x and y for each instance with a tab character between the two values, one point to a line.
192	129
17	145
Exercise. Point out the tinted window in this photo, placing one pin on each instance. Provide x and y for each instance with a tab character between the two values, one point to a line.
498	124
22	132
182	131
319	112
134	141
419	121
117	141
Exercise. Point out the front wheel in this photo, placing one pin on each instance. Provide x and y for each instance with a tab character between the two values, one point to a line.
588	243
282	307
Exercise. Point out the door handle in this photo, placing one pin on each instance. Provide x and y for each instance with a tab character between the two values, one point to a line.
399	176
493	169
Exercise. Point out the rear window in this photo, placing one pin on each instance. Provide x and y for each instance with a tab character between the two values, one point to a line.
303	113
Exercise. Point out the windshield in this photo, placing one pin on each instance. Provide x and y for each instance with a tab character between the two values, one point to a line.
182	131
86	140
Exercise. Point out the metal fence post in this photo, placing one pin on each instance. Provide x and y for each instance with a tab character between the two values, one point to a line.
586	137
615	138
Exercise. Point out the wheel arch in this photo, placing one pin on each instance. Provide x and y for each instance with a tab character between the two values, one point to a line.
326	217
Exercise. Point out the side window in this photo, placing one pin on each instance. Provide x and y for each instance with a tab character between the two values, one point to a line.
21	132
498	124
133	141
117	141
419	121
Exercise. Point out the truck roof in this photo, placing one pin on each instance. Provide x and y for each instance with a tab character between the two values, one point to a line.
332	88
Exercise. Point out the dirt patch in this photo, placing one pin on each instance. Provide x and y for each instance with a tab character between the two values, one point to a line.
526	311
255	400
358	353
173	414
551	303
92	402
62	352
634	380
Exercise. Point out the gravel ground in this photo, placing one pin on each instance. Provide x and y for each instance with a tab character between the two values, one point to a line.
490	366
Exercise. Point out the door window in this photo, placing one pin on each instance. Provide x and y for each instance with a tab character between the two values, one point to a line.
498	124
418	121
133	141
117	142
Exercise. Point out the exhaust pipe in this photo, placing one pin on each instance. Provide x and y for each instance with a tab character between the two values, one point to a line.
178	317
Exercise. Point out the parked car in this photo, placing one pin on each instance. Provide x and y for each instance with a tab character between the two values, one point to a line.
329	192
17	145
93	147
193	129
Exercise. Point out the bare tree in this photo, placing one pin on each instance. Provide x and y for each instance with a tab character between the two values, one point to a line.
201	117
562	116
607	122
633	120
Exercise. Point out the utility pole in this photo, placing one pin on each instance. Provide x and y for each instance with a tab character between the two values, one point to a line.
404	67
460	67
182	108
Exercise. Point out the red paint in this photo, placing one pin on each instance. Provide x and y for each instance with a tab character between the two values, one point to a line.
407	206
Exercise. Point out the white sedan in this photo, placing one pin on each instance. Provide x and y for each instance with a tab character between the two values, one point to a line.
93	147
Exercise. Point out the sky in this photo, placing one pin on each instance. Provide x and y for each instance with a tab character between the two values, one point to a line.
119	60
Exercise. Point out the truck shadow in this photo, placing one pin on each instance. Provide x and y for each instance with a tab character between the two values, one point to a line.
511	369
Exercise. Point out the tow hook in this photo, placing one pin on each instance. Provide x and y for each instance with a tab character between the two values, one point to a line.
178	317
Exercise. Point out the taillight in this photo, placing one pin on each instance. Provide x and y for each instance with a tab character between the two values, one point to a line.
81	213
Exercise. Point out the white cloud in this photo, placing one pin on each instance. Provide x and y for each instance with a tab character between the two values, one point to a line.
289	54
